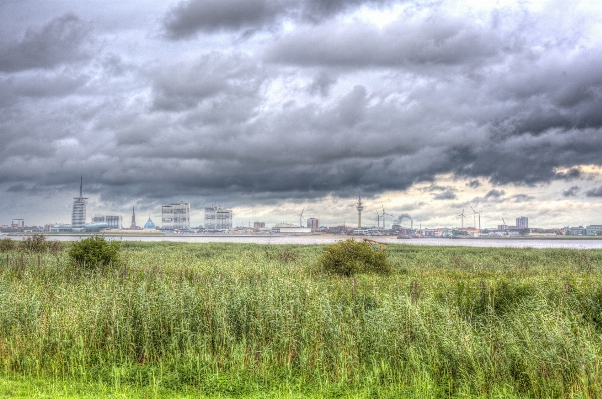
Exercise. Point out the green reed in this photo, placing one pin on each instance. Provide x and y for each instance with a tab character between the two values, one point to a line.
233	319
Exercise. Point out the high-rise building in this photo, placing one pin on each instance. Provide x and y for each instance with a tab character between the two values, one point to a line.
176	216
258	225
313	224
522	222
17	223
78	214
217	218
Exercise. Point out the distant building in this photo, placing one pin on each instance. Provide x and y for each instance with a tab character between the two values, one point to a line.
113	222
522	222
17	223
287	228
577	231
217	218
78	214
133	224
60	228
176	216
313	224
149	224
593	230
258	225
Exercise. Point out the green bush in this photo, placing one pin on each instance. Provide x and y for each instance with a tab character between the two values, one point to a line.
349	257
6	245
94	252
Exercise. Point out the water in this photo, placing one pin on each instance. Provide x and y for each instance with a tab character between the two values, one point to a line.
575	243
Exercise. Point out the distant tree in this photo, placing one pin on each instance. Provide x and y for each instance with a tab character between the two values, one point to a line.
524	231
7	245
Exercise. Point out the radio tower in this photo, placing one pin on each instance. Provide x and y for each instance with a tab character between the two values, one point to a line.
360	208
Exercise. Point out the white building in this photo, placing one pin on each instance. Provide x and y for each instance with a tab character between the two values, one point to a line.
113	222
217	218
287	228
176	216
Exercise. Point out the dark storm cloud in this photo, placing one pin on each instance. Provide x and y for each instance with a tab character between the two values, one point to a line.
445	195
189	17
192	16
473	183
495	194
322	84
594	192
571	192
571	174
64	39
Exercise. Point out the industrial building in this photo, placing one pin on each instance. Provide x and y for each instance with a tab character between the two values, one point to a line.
287	228
217	218
258	225
313	224
176	216
17	223
113	222
78	214
522	222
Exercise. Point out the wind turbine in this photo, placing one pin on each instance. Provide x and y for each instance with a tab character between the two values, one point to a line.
378	219
474	218
462	217
384	228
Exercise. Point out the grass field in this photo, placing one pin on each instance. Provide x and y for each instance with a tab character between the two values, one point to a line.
258	321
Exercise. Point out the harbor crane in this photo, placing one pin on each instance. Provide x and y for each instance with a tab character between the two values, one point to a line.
301	218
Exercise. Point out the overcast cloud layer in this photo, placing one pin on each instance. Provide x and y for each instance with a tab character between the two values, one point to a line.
270	106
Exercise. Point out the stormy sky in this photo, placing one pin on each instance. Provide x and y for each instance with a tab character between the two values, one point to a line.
270	106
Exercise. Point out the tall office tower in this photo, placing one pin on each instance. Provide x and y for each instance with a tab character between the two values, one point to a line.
313	224
78	214
522	221
217	218
175	216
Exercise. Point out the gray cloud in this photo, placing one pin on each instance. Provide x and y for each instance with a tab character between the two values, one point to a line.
495	194
571	192
192	16
189	17
63	40
445	195
594	192
473	183
439	40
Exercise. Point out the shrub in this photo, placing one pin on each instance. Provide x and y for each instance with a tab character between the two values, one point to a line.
349	257
6	245
93	252
38	244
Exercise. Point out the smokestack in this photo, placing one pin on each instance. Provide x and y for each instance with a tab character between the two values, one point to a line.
81	183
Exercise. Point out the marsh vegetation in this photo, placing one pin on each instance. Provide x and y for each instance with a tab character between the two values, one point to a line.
246	319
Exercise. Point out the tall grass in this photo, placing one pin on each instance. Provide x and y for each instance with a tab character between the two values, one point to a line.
243	318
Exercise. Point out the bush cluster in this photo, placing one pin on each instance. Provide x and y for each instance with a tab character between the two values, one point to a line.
38	244
94	252
350	257
32	244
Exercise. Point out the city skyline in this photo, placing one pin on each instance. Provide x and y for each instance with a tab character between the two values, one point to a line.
271	107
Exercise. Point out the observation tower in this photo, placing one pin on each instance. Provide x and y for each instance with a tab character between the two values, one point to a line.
360	208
